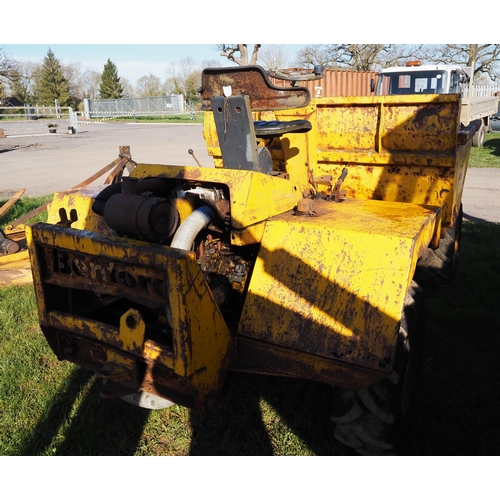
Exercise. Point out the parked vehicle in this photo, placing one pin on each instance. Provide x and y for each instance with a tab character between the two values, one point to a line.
301	254
415	78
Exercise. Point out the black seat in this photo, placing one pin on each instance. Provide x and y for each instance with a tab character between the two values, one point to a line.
276	128
232	94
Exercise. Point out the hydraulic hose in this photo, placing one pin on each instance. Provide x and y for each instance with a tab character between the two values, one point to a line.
189	229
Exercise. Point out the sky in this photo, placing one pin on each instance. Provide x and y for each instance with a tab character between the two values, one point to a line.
132	60
147	37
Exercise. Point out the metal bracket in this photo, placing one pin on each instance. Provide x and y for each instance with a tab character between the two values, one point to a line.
236	133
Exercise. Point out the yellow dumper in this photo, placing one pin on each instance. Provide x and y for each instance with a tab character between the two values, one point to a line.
301	254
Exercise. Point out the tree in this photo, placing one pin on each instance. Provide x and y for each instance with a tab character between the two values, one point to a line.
128	90
231	51
26	86
148	86
110	87
358	57
9	68
53	83
484	57
184	77
275	57
90	81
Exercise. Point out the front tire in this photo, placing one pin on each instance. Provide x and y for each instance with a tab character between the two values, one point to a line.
371	420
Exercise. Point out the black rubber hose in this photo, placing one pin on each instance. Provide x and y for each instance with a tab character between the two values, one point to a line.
104	196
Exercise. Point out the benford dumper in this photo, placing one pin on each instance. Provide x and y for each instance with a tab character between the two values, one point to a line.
302	253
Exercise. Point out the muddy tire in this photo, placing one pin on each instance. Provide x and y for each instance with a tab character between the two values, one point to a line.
372	419
478	139
439	267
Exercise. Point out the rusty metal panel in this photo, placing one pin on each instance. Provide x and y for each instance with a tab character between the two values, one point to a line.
334	284
171	302
253	82
337	83
396	148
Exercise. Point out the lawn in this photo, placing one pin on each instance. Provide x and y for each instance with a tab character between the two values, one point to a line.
487	156
49	407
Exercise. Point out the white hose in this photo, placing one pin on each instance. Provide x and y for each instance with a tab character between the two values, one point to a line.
189	229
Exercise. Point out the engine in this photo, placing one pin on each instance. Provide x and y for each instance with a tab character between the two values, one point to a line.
182	214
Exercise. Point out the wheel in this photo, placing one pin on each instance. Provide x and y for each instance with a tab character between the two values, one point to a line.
478	139
371	420
439	267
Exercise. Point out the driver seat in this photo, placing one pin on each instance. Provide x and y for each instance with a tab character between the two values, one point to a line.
232	94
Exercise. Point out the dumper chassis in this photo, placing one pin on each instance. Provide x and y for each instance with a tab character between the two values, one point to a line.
298	255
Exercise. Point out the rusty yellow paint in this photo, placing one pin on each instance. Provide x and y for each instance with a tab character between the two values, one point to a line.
254	196
132	330
75	206
15	269
249	235
202	343
396	148
334	285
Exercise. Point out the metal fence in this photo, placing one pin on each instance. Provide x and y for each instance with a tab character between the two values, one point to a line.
483	90
138	106
35	112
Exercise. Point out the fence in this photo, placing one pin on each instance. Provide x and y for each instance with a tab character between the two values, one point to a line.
139	106
483	90
35	112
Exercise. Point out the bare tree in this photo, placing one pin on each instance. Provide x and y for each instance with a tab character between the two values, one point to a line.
148	86
358	57
128	90
25	87
238	53
275	57
184	77
484	57
9	67
90	82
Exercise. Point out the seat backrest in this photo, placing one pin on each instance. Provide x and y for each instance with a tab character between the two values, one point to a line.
253	82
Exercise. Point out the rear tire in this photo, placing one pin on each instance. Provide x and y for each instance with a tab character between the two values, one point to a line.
478	139
371	420
439	267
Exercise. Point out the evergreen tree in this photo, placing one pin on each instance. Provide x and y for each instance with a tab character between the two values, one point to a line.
110	87
53	84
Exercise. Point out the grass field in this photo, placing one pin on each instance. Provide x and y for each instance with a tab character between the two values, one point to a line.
487	156
49	407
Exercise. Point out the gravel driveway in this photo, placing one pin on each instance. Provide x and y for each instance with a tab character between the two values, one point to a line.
43	163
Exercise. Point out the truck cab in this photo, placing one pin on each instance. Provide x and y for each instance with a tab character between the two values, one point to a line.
415	78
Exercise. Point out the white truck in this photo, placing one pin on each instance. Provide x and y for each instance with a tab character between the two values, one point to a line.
415	78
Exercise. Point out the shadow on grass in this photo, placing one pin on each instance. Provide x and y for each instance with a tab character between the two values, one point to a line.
257	411
493	144
458	405
99	427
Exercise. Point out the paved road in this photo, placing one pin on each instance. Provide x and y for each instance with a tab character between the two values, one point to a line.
481	197
44	163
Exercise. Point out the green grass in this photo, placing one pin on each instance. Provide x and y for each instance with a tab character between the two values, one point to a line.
487	156
23	206
49	407
53	408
